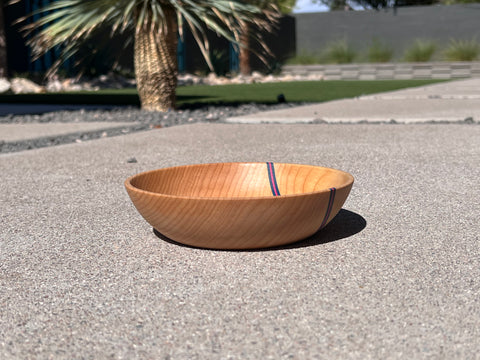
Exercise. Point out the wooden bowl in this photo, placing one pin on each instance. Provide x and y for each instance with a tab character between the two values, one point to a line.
239	205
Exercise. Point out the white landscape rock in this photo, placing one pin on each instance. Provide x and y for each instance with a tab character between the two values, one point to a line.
256	76
73	85
211	78
113	81
54	86
25	86
4	85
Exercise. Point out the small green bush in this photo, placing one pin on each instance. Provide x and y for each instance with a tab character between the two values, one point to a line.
420	51
339	52
304	58
462	50
379	52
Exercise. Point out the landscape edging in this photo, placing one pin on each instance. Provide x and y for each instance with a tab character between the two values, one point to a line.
386	71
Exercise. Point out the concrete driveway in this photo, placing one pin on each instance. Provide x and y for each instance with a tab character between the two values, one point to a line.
395	275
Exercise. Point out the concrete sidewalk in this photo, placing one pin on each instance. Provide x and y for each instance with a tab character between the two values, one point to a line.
395	275
454	101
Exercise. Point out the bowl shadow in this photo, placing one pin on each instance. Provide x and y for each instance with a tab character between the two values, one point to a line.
345	224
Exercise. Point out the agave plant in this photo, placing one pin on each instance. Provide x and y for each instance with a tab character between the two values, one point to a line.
155	26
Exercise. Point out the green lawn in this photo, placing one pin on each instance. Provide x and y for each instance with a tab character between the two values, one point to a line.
302	91
188	96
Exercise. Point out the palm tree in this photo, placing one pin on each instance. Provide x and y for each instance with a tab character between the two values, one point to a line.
3	44
247	33
155	26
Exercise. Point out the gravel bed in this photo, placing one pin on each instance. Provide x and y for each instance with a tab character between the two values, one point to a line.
140	121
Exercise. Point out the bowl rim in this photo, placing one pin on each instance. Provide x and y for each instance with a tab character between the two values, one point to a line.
129	185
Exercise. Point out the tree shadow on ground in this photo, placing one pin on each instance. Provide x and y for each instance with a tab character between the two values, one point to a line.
214	102
92	98
345	224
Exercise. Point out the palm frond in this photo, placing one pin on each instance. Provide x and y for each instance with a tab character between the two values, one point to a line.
66	23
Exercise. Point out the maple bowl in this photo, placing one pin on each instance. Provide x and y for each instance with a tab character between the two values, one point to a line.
239	205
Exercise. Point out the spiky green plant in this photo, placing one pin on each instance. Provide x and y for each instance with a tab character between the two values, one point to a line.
154	26
379	52
420	51
339	52
304	58
462	50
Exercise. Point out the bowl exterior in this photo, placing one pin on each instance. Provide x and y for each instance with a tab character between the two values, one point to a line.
239	223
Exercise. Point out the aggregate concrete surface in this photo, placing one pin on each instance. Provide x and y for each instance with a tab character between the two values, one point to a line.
395	275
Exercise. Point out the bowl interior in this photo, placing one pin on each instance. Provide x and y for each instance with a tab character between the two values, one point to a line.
240	180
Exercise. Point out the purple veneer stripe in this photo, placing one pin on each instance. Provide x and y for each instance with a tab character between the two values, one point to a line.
272	179
330	205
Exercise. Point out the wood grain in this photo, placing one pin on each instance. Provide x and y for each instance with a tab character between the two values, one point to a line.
239	205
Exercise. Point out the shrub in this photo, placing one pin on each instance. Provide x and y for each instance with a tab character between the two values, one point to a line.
304	58
379	52
339	52
462	50
420	51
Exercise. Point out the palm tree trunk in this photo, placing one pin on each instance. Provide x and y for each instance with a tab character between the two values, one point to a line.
156	63
3	44
244	54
